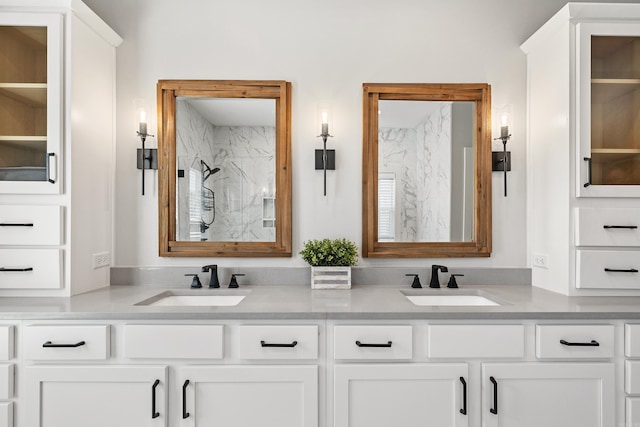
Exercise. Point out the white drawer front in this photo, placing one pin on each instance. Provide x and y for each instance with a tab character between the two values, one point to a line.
632	340
608	269
6	414
31	225
6	342
470	341
36	268
574	341
173	341
607	227
393	342
6	382
86	342
278	342
632	377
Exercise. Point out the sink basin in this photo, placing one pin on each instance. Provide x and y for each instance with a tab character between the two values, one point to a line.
186	299
467	299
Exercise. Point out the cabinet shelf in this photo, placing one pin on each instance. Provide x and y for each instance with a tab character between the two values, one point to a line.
28	142
604	90
613	154
34	94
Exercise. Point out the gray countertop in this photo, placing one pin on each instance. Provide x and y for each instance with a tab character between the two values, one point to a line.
300	302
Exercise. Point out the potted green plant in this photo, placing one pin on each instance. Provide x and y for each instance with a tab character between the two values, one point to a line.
330	261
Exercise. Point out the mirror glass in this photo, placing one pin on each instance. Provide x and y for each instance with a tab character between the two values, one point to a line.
224	168
425	171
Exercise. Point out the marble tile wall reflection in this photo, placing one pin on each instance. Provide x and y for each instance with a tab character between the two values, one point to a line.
245	156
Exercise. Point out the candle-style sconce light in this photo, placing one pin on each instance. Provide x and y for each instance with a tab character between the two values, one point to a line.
502	159
325	159
147	158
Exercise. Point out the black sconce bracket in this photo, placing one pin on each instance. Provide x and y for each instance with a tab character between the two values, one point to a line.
497	161
331	160
150	158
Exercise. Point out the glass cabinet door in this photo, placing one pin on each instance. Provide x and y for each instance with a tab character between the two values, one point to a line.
609	110
30	102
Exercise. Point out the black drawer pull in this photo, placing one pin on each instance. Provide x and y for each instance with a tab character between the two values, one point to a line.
185	414
49	344
593	343
16	224
16	269
617	270
463	411
630	227
360	344
266	344
588	160
494	410
154	413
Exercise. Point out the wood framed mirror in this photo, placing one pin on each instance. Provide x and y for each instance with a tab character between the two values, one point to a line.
224	168
426	170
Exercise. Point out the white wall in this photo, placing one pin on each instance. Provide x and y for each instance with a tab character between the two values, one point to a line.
327	49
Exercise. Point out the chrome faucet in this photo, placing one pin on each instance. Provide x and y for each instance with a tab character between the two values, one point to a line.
213	281
435	281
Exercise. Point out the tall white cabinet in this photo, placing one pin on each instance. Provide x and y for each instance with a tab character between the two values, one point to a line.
57	139
583	150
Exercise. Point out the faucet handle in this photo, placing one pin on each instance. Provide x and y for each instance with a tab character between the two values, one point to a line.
416	281
452	281
234	283
195	283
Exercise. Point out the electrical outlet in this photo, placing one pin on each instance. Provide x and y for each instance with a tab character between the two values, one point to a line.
541	260
102	259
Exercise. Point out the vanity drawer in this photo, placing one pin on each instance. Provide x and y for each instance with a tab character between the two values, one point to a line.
470	341
6	382
31	225
574	341
6	414
173	341
379	342
278	342
607	227
66	342
34	268
632	377
6	342
622	269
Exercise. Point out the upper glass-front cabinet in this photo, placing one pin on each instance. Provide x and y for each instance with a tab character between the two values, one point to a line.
608	98
30	102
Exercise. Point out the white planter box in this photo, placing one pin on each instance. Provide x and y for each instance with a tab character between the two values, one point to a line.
330	277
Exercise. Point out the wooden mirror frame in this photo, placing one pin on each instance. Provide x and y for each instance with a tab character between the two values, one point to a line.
168	90
480	95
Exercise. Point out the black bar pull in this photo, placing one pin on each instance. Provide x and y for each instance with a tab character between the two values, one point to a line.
49	344
588	160
48	167
494	410
463	411
630	227
360	344
16	269
185	414
154	413
617	270
266	344
16	224
593	343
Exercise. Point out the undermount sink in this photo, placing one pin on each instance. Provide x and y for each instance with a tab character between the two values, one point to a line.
450	299
183	299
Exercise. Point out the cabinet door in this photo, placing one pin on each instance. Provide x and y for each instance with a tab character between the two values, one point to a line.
402	395
30	102
249	396
608	72
96	396
548	394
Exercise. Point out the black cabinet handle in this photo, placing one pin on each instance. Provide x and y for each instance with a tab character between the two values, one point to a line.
48	167
630	227
588	160
266	344
593	343
185	414
49	344
618	270
463	411
360	344
16	269
494	410
154	413
16	224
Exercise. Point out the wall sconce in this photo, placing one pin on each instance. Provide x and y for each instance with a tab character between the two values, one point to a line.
501	160
147	158
325	159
